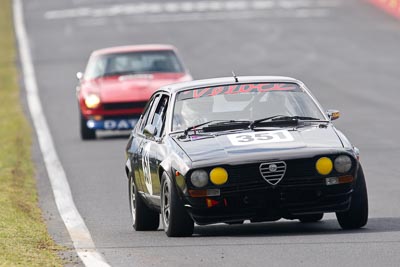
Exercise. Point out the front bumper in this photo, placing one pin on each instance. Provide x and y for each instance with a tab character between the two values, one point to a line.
112	123
250	194
269	204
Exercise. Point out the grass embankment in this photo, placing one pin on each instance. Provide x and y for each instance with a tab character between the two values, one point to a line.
24	240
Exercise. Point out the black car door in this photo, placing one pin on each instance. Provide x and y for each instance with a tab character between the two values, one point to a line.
140	163
152	145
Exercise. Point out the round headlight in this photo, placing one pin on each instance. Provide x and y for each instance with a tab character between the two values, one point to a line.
218	176
342	164
92	101
199	178
324	166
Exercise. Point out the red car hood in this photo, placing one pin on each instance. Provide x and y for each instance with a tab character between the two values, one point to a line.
133	87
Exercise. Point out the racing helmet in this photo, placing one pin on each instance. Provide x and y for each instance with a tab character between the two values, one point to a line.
202	105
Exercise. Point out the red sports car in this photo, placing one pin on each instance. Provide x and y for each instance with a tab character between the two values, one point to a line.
119	81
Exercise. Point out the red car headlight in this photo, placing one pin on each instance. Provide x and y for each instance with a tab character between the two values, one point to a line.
92	101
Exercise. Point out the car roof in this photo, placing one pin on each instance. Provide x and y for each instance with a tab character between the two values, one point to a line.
133	48
176	87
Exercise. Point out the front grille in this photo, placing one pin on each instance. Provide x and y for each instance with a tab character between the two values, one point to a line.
124	105
248	177
273	172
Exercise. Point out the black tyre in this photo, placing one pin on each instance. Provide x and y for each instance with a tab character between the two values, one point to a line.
357	215
86	133
310	218
143	218
175	218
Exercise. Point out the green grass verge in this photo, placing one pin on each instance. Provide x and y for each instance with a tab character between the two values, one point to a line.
24	240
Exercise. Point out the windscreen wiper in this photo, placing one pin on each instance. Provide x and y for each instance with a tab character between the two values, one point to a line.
119	73
305	118
218	125
227	125
197	126
284	120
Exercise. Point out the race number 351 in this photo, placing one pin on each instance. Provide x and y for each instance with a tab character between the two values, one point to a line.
260	138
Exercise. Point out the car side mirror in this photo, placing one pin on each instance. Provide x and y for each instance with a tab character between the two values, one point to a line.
79	75
150	131
333	114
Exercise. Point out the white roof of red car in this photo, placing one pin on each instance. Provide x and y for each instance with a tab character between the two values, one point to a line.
133	48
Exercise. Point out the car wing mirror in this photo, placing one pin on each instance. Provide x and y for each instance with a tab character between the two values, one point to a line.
333	114
79	75
150	131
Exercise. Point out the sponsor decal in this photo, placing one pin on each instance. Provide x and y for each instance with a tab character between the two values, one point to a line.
238	89
243	139
116	124
119	124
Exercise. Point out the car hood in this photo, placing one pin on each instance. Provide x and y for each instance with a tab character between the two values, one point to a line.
250	146
132	87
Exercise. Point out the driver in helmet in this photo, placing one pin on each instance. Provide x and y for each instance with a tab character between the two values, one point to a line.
193	111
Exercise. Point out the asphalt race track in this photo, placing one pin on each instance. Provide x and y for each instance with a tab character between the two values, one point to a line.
346	51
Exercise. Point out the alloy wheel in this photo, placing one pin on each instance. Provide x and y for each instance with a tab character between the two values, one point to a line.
166	211
132	199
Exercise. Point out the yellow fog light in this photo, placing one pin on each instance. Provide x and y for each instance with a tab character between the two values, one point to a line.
324	166
218	176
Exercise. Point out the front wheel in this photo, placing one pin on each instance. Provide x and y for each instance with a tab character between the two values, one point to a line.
357	215
175	218
143	218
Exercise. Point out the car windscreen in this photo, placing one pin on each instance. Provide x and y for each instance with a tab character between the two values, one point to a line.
242	102
164	61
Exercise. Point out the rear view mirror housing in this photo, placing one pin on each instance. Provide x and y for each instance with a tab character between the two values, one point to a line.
150	131
333	114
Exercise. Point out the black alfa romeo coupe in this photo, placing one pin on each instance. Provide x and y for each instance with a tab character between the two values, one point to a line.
241	148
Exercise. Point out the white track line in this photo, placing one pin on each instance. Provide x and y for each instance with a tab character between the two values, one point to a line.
73	221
